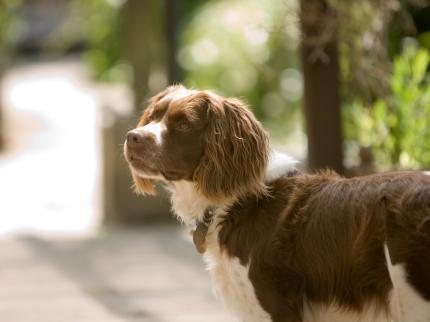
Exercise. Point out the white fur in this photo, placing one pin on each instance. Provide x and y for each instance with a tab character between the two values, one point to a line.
231	282
427	173
157	129
187	203
279	164
406	303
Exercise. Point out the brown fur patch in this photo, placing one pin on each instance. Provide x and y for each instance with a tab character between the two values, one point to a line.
320	238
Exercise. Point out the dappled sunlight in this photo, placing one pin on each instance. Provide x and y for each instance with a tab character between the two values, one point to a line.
49	176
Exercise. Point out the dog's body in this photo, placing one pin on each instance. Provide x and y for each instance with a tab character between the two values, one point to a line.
280	245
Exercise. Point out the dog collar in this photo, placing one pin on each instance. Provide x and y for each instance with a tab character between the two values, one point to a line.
202	227
293	172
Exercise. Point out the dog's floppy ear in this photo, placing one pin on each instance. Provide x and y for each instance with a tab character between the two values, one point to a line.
143	186
236	151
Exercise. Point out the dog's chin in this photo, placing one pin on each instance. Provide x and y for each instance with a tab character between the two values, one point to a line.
146	173
165	176
141	169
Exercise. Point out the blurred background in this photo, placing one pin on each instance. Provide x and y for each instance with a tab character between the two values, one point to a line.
338	83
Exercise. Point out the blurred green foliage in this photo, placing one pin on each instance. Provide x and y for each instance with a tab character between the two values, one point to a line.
424	39
397	126
364	60
98	22
249	49
10	24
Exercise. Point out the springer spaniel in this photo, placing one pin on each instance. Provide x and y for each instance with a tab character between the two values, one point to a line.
282	245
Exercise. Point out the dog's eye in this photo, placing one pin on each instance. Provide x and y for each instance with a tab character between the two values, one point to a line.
182	125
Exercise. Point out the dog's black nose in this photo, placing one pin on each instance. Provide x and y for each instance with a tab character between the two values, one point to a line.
138	138
134	138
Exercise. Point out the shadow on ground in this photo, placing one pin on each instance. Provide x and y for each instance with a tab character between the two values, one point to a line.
148	275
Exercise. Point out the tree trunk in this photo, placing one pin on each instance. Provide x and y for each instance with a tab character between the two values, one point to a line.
321	85
174	72
144	46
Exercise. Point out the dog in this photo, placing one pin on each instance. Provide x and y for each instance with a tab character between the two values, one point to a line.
282	245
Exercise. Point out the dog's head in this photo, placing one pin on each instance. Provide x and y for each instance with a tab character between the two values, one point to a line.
198	136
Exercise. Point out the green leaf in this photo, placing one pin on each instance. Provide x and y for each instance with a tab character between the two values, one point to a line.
420	64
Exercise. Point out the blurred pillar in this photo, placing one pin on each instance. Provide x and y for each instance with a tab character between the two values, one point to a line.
321	84
2	67
174	71
1	119
149	41
1	124
144	45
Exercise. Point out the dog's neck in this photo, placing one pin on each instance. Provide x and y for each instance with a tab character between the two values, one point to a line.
190	205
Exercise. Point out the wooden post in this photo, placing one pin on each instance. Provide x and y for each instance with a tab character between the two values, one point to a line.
319	55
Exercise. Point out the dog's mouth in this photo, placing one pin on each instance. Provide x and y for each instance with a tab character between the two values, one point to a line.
142	168
145	168
139	164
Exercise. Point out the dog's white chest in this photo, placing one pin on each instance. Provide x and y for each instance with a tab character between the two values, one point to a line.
232	285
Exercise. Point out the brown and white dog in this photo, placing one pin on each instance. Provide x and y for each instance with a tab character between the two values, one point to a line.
282	245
